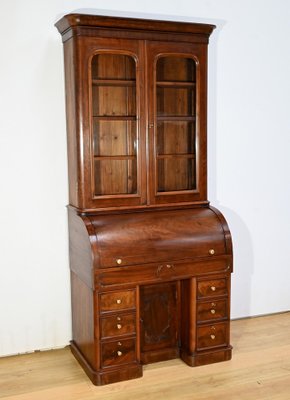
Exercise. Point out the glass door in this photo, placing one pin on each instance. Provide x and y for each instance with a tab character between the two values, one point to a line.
175	130
175	124
116	165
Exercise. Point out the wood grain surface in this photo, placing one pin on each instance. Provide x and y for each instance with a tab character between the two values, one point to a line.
259	370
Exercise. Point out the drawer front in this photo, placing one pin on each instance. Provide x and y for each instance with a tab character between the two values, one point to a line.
212	336
119	300
211	310
213	287
150	273
118	325
118	352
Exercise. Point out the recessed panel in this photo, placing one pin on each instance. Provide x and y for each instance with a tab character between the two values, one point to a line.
175	137
114	138
115	176
172	101
114	101
175	174
113	66
172	68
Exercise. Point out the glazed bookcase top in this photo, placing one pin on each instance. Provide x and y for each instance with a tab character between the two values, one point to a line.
136	111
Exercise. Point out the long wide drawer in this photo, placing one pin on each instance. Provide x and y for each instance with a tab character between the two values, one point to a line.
151	273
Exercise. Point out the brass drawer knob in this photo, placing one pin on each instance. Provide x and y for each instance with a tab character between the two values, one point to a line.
119	301
212	311
119	353
119	326
119	261
213	288
212	337
119	344
211	252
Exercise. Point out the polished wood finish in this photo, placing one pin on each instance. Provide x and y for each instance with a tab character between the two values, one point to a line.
150	259
159	322
113	171
259	370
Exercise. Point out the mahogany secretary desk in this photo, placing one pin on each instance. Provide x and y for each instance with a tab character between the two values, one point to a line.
150	259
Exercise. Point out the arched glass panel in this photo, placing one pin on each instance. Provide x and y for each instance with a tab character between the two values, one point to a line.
114	124
176	123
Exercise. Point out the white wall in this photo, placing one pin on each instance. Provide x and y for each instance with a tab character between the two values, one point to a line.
249	163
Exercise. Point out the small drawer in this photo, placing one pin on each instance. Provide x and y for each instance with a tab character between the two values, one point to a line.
211	310
212	336
118	325
114	301
214	287
118	352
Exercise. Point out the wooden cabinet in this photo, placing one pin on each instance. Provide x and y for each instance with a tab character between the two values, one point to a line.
150	259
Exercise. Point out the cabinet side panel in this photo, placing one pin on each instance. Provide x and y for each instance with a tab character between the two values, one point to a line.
83	318
80	250
71	123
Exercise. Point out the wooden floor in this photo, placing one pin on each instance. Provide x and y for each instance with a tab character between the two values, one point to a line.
259	370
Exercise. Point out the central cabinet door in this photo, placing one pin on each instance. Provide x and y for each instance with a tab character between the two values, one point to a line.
159	322
177	129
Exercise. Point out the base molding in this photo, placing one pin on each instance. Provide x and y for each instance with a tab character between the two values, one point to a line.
159	355
206	357
112	375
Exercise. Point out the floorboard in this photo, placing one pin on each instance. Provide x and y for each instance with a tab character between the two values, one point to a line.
259	370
